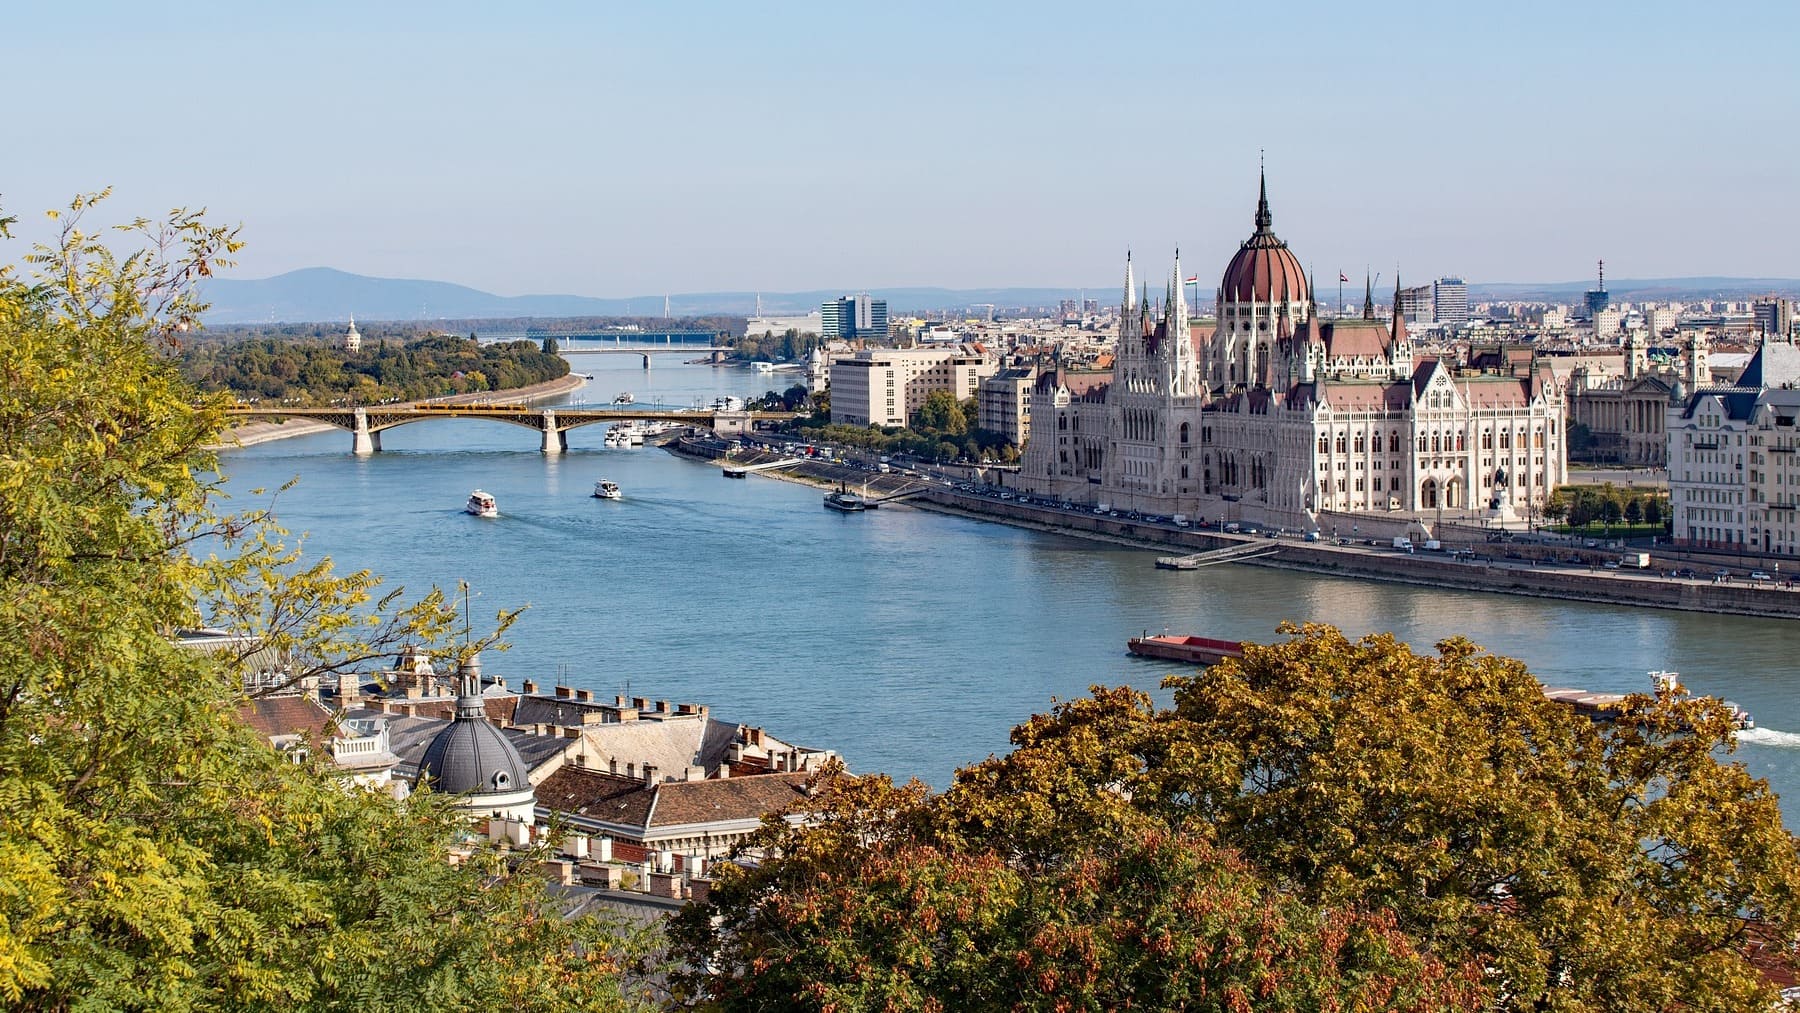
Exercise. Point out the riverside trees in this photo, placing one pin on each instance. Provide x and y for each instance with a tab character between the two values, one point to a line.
1324	824
154	854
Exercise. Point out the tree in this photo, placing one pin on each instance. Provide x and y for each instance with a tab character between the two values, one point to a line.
1557	506
154	853
1653	510
942	414
1438	802
549	346
878	905
1634	510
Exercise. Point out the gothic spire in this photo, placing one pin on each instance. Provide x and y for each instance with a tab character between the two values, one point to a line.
1368	297
1130	283
1263	219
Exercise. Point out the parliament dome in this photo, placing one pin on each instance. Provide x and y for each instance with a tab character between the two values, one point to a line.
1264	270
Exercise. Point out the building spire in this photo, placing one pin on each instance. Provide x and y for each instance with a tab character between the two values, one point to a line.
1368	297
1130	283
1263	219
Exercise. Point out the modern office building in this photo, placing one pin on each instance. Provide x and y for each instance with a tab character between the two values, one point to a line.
1450	300
884	386
1419	305
854	316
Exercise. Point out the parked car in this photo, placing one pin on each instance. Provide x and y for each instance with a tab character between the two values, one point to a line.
1759	575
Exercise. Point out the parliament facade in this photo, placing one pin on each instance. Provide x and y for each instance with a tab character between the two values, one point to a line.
1272	414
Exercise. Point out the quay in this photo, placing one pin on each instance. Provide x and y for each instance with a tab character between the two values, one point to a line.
1213	557
1462	565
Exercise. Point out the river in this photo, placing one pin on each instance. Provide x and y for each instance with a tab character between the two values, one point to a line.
909	641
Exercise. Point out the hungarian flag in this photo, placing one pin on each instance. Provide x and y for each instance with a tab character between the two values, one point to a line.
1195	280
1341	277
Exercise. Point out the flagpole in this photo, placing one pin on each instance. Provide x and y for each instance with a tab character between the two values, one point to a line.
1340	311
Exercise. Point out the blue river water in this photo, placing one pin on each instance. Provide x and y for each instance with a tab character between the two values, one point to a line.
911	642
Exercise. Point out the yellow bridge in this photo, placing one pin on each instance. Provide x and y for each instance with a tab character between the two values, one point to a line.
366	424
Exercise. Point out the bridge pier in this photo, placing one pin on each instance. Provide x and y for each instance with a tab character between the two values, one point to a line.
646	360
556	441
362	441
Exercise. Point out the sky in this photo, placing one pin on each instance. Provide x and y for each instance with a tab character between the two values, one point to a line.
629	149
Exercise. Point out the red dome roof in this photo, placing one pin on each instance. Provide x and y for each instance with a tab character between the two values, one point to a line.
1264	269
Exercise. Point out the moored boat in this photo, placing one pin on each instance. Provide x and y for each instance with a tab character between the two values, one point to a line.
604	489
481	505
843	500
1193	650
624	398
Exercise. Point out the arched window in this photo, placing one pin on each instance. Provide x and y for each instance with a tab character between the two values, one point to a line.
1184	436
1340	443
1459	440
1437	443
1394	442
1359	443
1324	443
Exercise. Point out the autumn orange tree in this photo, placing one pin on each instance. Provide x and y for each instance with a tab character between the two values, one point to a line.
1323	824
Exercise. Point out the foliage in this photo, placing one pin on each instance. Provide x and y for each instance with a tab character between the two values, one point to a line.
789	346
1437	803
321	371
1583	505
941	414
154	852
879	905
793	399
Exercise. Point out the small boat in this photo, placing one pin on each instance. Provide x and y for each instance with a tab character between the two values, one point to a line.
623	398
1193	650
845	501
604	489
622	434
728	404
763	367
481	505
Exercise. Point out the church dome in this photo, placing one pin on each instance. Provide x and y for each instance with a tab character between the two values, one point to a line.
472	757
1264	269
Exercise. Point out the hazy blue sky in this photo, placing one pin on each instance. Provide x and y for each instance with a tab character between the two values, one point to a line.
624	149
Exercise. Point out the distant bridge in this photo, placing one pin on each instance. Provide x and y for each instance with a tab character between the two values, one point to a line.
366	424
669	340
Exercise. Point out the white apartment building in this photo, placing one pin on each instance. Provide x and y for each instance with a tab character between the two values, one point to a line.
884	386
1731	474
1003	403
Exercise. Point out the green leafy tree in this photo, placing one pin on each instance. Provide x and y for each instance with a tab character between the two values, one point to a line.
155	854
1634	510
942	414
1653	510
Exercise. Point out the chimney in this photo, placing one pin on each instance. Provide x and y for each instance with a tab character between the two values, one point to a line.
619	702
584	695
649	773
349	689
563	692
662	706
530	687
684	708
639	703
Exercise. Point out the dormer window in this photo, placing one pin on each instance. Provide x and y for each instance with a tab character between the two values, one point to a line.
502	780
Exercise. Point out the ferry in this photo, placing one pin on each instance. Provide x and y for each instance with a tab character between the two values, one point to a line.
845	501
728	404
1605	706
604	489
763	367
1193	650
481	505
623	434
623	398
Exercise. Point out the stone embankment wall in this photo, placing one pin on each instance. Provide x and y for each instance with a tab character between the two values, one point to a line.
1438	569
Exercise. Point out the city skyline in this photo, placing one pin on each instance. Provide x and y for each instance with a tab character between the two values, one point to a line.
621	152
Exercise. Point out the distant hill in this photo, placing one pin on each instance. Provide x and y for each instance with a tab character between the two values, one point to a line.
325	294
322	293
1634	289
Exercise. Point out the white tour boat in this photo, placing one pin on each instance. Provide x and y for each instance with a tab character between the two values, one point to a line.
481	505
624	398
604	489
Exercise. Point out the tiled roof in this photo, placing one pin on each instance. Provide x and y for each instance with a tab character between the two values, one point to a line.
1351	338
1363	396
286	715
680	803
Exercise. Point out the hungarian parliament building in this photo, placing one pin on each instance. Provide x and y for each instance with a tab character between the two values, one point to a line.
1271	414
